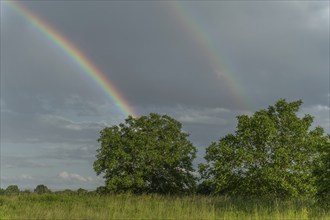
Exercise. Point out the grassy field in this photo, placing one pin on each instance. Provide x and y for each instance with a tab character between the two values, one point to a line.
60	206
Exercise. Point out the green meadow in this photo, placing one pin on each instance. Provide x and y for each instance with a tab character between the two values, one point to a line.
125	206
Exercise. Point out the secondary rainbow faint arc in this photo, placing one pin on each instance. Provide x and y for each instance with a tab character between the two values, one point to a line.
75	54
208	49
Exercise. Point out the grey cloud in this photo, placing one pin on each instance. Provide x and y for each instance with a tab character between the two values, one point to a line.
204	125
271	49
24	128
83	153
12	162
74	177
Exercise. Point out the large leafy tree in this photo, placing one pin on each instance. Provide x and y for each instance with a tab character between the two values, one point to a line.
271	154
149	154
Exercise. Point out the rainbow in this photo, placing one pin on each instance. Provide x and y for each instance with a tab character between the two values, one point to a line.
76	55
207	48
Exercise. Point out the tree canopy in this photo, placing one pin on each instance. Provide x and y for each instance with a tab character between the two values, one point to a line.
322	173
41	189
272	153
12	190
149	154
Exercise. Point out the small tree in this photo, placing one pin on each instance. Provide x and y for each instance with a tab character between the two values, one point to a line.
12	190
42	189
67	192
271	154
2	191
82	191
149	154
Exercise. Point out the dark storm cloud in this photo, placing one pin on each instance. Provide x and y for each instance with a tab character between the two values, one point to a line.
31	81
153	59
276	45
147	57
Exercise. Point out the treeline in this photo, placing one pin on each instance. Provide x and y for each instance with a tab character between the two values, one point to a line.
43	189
272	154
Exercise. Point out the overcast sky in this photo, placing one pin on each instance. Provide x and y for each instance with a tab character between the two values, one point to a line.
202	63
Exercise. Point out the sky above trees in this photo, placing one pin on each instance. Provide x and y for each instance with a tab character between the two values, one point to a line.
202	63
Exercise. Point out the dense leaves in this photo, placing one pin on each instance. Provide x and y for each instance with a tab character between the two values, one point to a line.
82	191
41	189
271	154
322	172
149	154
12	190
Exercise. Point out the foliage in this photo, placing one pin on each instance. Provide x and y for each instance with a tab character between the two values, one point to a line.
41	189
322	173
271	154
2	191
81	191
204	188
66	192
102	190
149	154
12	190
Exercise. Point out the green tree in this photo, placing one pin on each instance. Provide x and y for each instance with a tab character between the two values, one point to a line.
2	191
82	191
271	154
149	154
12	190
42	189
67	192
322	173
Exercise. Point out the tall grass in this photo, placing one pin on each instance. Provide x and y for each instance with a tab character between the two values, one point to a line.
61	206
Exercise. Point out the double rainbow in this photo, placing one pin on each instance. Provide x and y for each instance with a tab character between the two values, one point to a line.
203	41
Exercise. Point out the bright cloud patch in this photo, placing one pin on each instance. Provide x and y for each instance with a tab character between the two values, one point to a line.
321	115
26	177
73	176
